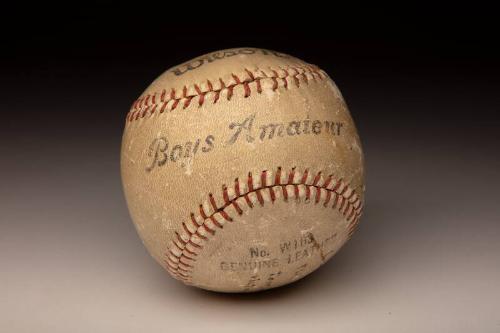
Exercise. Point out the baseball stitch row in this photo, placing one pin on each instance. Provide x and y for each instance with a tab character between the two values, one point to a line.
215	212
169	100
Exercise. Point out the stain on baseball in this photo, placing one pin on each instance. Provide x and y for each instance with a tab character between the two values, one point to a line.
242	170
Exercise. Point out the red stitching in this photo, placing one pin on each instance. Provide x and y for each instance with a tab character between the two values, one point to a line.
200	235
177	246
179	238
230	92
211	231
350	215
153	109
189	258
212	201
259	87
184	226
237	207
308	193
147	104
163	107
290	176
277	178
225	195
272	194
237	186
247	89
190	252
183	270
342	203
176	102
336	199
226	216
275	83
260	198
215	222
248	201
250	74
318	195
184	275
296	191
304	176
236	78
196	245
328	197
250	182
352	212
285	193
181	260
202	212
317	178
170	262
285	83
174	267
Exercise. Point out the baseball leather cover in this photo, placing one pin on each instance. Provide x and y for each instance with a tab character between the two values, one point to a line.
242	170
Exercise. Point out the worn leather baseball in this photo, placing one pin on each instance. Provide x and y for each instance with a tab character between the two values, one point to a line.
242	170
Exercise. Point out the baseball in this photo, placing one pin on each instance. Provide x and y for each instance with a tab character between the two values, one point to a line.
242	170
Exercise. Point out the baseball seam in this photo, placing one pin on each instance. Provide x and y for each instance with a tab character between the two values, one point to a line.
216	211
252	80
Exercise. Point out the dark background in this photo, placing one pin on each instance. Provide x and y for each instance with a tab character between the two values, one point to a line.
422	85
416	66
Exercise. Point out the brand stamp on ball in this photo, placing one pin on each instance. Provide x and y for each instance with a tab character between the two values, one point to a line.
161	150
